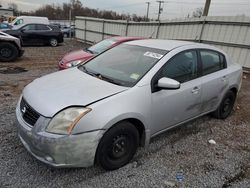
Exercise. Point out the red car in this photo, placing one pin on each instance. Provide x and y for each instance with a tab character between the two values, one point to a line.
79	56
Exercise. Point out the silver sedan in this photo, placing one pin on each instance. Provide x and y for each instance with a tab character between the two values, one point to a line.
102	111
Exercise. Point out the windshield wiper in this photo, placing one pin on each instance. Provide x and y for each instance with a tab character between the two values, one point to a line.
109	79
101	77
88	72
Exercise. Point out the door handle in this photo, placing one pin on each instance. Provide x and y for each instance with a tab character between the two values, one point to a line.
195	90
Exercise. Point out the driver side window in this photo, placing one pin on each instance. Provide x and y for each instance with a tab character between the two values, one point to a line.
30	27
182	67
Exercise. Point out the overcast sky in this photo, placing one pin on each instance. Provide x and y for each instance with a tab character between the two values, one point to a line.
171	8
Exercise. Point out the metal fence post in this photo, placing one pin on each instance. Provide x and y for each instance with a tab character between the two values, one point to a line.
126	31
70	23
158	28
103	27
202	28
85	30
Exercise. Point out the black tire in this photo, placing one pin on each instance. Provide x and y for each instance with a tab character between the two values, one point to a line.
53	42
118	146
226	106
8	51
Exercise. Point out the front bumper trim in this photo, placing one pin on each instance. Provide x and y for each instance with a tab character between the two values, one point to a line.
58	150
67	151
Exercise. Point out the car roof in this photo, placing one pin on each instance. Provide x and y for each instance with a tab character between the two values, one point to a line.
162	44
125	38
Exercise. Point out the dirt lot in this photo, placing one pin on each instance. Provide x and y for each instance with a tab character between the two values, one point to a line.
179	158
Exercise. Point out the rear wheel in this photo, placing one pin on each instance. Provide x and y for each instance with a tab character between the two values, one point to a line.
53	42
8	52
226	106
118	146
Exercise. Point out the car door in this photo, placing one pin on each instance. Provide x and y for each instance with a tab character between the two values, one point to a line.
28	35
170	107
214	79
42	33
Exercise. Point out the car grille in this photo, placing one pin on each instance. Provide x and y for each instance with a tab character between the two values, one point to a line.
29	115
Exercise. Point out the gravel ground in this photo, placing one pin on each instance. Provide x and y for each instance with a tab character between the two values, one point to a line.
178	158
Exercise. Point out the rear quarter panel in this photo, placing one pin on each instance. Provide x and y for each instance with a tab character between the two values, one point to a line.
235	76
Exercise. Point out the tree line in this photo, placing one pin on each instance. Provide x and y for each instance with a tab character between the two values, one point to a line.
61	12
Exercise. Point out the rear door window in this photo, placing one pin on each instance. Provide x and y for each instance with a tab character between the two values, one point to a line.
41	27
212	61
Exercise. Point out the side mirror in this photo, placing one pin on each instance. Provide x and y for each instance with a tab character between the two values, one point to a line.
22	30
168	83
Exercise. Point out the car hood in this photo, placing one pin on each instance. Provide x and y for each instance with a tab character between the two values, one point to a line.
6	29
77	55
7	37
72	87
10	31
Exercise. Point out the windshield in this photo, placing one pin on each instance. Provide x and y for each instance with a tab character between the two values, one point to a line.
101	46
17	21
123	65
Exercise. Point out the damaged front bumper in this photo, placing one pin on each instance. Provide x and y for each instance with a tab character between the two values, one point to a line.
58	150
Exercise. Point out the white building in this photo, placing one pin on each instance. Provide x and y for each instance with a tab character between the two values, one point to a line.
6	12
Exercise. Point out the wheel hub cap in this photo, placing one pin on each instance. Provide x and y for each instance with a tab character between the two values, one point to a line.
5	52
54	42
226	105
119	146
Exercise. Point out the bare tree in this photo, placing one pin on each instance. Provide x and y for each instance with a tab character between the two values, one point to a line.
61	12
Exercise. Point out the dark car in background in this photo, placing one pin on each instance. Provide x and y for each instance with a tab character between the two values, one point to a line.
68	31
57	25
36	34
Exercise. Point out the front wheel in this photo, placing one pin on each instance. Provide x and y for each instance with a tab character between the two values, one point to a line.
118	146
8	51
226	106
53	42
